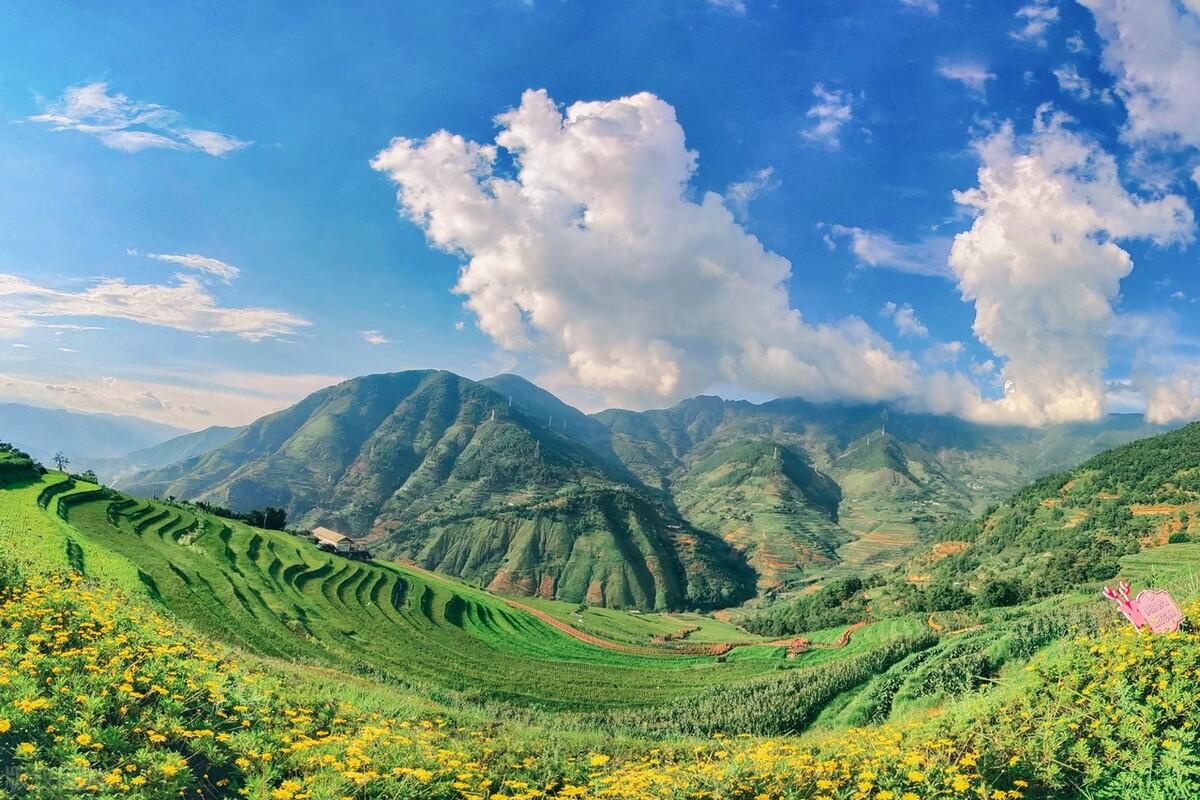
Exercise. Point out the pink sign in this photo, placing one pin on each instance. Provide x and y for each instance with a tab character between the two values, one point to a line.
1161	612
1152	608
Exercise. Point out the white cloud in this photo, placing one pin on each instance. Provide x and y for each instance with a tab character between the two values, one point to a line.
374	337
1042	265
928	6
1071	82
65	349
1075	43
128	125
204	264
1175	397
739	195
970	74
832	111
737	7
1036	19
1152	47
458	326
595	257
928	256
233	398
184	305
905	319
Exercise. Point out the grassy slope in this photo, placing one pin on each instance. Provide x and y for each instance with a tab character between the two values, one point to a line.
1034	729
278	595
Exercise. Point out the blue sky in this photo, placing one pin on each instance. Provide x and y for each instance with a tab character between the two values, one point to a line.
136	146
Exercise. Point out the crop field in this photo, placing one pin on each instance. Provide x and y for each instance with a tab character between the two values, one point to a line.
1174	567
642	628
278	595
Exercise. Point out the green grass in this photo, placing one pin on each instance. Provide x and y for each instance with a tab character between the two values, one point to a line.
634	628
278	595
1174	567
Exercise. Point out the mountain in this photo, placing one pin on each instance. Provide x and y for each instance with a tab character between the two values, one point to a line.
445	472
82	437
501	483
114	470
901	476
1072	527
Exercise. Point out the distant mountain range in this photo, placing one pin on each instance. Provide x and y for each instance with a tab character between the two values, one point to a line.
703	504
83	438
114	471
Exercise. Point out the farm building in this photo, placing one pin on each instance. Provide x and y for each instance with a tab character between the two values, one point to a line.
332	539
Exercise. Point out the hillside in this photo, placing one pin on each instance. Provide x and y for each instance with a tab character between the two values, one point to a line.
447	473
16	466
1121	513
172	451
82	437
163	678
1073	527
503	484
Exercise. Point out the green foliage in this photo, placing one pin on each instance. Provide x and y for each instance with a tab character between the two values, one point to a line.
16	466
840	602
779	705
1000	592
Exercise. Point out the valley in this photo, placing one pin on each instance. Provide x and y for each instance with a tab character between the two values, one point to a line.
903	638
700	506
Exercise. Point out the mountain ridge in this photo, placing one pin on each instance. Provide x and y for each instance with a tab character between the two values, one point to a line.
476	478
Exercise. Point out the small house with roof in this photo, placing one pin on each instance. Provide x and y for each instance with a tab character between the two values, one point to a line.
325	537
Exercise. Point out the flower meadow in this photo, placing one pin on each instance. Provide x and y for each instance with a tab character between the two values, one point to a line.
101	696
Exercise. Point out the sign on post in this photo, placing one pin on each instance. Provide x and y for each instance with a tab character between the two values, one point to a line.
1152	609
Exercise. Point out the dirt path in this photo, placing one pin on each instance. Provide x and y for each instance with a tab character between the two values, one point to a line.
607	644
933	624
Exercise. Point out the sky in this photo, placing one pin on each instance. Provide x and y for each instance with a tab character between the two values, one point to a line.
977	208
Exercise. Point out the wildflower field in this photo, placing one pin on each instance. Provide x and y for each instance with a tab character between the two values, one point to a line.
105	692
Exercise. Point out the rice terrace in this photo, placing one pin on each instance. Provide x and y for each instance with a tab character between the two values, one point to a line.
639	400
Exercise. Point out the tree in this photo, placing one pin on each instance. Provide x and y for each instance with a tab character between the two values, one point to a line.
61	462
1000	592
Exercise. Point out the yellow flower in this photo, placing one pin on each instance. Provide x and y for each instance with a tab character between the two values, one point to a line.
5	726
26	749
598	760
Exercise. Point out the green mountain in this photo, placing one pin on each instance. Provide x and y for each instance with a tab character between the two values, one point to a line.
1073	527
115	470
501	483
445	472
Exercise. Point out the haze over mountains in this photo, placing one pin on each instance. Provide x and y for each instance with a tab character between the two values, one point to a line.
84	437
702	504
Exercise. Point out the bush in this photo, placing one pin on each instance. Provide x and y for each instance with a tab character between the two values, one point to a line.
1001	592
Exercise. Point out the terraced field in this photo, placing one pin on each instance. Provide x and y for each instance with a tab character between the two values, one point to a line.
278	595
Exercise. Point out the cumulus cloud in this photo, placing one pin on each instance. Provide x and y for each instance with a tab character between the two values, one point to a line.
905	319
1036	19
1042	265
1174	397
874	249
970	74
185	304
1152	47
595	255
129	125
374	337
832	111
